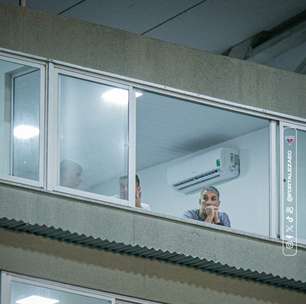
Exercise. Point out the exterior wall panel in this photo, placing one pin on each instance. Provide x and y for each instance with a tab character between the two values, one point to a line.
151	60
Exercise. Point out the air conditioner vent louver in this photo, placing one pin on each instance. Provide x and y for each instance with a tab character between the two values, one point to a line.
200	169
197	178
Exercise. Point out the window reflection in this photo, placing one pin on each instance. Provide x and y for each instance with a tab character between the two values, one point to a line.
19	120
93	136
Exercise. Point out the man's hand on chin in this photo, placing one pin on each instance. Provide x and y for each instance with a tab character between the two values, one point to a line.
210	214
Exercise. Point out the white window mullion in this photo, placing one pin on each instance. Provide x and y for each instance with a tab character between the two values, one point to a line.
274	208
43	128
52	128
132	147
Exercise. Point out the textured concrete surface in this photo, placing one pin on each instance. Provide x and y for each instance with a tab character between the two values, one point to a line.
127	54
130	276
128	227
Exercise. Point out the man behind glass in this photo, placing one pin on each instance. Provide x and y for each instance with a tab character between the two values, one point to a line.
208	211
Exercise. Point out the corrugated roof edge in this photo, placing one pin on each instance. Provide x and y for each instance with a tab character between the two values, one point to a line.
151	253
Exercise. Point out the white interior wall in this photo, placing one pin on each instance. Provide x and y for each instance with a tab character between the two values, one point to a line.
245	199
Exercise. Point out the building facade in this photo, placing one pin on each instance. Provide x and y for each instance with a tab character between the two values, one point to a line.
90	243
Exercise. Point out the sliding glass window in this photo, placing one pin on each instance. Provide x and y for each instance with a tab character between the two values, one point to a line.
21	121
91	137
184	147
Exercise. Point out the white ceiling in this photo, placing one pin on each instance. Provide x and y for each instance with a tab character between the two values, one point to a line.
168	128
211	25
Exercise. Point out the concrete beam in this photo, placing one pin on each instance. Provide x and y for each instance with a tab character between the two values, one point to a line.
301	67
151	60
241	50
265	46
279	44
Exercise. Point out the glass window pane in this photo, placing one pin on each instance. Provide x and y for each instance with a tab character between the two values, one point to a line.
19	120
24	293
301	182
93	137
182	147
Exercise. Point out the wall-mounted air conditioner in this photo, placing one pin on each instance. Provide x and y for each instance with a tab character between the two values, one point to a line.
191	173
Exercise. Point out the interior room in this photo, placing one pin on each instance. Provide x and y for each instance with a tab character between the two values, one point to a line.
169	129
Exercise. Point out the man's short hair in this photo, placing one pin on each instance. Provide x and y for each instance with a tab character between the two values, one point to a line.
210	189
68	164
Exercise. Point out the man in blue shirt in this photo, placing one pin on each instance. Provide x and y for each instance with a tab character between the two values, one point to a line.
209	208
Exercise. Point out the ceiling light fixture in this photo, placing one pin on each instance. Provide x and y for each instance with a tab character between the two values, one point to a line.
138	94
118	96
37	300
25	132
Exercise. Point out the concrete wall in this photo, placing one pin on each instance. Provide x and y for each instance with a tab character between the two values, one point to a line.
130	276
238	196
135	227
151	60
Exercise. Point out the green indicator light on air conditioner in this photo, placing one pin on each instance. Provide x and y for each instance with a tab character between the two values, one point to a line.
218	162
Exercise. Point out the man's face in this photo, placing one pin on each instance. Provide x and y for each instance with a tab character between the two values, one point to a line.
209	200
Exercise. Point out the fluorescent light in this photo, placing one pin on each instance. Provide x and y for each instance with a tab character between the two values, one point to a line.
118	96
25	132
37	300
138	94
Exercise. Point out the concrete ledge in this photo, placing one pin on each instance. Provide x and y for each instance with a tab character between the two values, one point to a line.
121	274
165	256
126	227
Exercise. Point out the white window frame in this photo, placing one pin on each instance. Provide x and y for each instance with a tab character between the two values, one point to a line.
273	182
46	182
53	138
297	126
8	278
42	67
